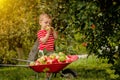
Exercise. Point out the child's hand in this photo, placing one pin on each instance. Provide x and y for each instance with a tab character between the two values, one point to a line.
52	28
49	29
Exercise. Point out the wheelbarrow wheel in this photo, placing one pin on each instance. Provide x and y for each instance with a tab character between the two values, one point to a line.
69	73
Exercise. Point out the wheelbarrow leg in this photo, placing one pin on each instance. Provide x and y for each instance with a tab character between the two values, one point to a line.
68	73
37	76
49	78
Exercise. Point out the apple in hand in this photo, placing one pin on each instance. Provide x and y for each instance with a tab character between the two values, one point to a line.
48	28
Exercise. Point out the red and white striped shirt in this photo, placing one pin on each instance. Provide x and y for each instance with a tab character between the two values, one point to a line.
49	45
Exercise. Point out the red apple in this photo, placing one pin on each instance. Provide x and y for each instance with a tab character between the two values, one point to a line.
68	60
37	63
55	61
73	57
48	60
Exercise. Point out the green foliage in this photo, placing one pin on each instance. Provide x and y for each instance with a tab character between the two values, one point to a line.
19	25
17	28
112	74
95	23
93	64
96	20
16	73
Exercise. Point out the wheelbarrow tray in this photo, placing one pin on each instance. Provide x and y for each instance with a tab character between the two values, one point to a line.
51	68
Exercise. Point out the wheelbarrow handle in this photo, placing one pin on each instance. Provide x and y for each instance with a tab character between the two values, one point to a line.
21	60
11	65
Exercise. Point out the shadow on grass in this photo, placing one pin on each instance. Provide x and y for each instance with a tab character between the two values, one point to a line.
90	74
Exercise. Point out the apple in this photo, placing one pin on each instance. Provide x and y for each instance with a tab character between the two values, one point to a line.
73	57
32	63
48	60
37	63
48	28
61	53
68	59
53	56
55	61
57	56
84	44
62	58
42	60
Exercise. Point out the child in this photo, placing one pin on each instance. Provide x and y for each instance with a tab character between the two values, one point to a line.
46	35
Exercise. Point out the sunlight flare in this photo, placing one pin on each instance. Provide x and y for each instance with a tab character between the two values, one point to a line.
2	3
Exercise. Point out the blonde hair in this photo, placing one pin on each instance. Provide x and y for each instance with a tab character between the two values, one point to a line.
44	15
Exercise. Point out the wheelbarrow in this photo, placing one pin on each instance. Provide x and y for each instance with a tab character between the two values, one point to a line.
55	68
50	68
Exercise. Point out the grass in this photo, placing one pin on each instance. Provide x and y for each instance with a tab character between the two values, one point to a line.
89	68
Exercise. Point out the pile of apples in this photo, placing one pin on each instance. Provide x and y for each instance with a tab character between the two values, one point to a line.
54	58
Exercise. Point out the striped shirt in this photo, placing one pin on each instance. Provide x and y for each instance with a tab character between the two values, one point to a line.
49	45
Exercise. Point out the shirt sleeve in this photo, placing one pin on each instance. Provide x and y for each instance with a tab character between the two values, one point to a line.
40	34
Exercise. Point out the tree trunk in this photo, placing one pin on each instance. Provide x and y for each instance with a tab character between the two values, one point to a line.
20	53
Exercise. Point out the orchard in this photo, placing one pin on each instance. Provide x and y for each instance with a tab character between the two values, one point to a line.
92	24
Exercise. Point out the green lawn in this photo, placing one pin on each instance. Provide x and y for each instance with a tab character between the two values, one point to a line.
90	68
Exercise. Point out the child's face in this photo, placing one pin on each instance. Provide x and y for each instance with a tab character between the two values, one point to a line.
45	22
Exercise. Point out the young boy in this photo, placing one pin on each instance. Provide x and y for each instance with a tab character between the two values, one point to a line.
46	35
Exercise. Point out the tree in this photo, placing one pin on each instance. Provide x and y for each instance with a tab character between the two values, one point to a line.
17	30
98	21
93	23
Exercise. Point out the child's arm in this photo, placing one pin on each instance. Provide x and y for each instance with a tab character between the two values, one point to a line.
55	34
44	39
